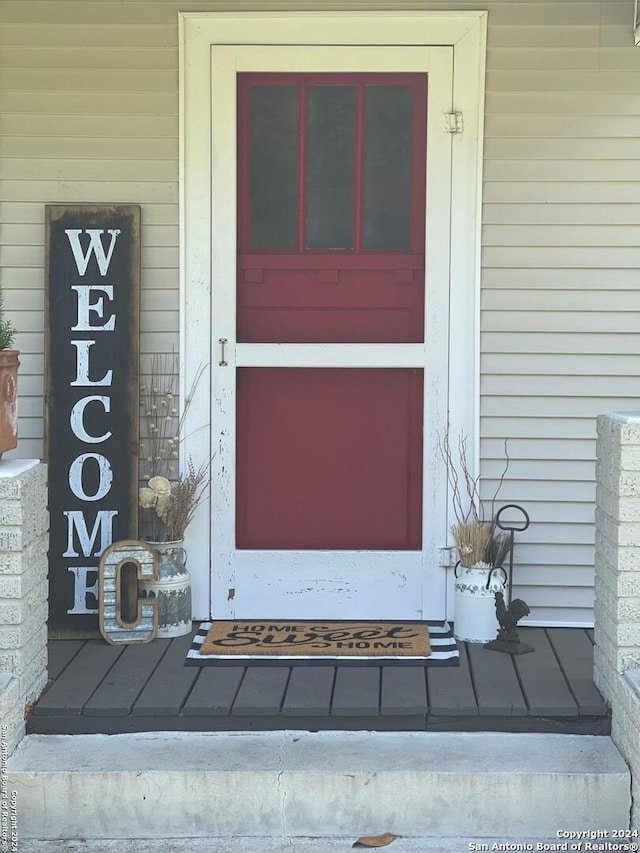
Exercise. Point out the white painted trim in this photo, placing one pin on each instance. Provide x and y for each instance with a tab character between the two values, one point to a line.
466	33
466	226
332	28
327	355
195	320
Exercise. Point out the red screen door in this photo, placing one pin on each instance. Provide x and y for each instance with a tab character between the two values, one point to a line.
331	192
331	252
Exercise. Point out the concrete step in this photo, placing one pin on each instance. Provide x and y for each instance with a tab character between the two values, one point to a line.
288	785
283	845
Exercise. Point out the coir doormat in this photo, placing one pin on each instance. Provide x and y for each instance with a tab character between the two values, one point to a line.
275	642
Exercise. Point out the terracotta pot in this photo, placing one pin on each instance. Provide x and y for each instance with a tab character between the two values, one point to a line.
8	399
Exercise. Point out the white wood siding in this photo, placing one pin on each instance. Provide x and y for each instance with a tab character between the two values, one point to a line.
89	105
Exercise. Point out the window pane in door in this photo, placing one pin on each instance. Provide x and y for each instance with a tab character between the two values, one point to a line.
273	167
387	167
330	166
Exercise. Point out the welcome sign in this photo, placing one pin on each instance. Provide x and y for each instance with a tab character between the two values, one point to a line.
91	399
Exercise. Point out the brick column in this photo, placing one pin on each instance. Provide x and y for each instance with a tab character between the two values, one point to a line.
24	540
617	583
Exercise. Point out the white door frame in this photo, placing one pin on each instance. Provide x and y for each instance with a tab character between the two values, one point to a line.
465	32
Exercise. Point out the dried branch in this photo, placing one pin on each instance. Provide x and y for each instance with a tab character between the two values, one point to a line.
169	501
476	511
476	538
452	476
504	474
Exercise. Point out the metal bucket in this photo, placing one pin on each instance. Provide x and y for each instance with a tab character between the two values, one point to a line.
474	603
172	589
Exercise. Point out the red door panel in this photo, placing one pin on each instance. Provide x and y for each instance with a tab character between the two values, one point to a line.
329	458
331	188
377	299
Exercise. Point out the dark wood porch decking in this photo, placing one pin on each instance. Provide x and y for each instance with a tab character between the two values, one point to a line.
98	688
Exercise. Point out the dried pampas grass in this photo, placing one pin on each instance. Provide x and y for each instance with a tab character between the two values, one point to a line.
472	541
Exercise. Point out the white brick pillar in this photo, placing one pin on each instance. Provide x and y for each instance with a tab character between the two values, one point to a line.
24	540
617	584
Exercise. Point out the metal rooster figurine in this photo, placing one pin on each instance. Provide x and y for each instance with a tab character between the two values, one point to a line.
508	640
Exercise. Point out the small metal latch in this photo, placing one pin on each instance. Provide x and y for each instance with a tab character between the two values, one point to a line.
453	122
445	557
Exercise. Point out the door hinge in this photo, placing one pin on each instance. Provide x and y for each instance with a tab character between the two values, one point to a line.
446	557
453	122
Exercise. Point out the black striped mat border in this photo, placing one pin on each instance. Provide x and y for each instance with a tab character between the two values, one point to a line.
444	652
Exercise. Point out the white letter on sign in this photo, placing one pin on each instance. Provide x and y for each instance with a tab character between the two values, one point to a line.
95	245
103	522
75	477
85	307
81	589
77	419
82	365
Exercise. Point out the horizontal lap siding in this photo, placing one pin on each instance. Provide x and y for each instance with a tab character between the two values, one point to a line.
560	303
90	114
89	101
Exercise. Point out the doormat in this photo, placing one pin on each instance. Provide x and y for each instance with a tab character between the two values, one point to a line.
295	643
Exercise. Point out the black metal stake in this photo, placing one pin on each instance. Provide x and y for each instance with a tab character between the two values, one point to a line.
511	528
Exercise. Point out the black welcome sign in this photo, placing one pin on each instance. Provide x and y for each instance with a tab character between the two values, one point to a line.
91	399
